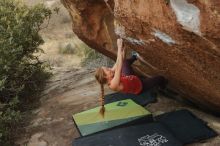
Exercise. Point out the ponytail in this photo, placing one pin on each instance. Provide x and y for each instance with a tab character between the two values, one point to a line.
102	101
101	78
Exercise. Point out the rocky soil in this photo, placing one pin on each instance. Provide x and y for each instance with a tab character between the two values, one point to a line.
73	90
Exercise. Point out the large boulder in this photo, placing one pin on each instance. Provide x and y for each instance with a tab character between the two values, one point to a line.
177	38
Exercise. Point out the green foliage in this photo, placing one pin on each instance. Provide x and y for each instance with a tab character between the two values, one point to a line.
90	54
94	59
21	72
19	27
67	49
9	117
57	10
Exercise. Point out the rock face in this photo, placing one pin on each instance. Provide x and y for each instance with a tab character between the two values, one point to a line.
179	39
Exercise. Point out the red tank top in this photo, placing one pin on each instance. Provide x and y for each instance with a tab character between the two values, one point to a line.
131	84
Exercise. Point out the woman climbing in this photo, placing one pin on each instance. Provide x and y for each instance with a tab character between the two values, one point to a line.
121	76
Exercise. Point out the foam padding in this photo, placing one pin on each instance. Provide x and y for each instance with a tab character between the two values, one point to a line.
186	126
152	134
142	99
116	113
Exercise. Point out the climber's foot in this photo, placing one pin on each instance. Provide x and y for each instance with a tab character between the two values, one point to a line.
135	54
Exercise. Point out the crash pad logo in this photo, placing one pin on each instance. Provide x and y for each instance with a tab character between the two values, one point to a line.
122	103
152	140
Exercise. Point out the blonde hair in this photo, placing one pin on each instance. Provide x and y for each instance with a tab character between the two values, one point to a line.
101	78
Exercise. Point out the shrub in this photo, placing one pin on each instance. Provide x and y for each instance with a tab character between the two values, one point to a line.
9	117
21	72
89	54
94	59
67	49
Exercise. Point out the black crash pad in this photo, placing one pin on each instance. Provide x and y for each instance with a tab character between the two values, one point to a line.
151	134
186	126
142	99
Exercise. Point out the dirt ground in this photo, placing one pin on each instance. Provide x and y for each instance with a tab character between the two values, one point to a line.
73	90
69	91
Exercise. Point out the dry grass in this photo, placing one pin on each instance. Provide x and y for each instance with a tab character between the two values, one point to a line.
61	45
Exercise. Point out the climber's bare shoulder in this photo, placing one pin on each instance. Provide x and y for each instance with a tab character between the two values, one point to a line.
115	87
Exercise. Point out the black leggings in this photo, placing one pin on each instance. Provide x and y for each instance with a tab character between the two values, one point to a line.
148	83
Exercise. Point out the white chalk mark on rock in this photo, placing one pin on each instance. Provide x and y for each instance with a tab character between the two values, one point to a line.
120	31
135	41
187	15
164	37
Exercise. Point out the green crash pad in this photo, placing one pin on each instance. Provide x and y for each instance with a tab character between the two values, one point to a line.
116	113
